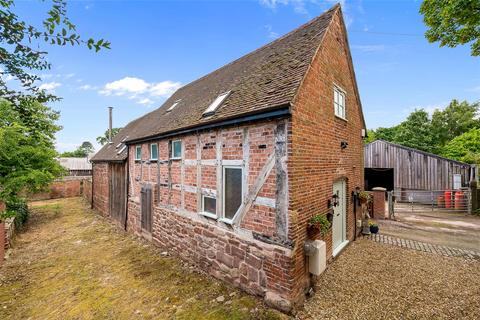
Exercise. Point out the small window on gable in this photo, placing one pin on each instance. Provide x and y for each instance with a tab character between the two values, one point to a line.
153	151
173	105
215	104
176	149
138	153
339	102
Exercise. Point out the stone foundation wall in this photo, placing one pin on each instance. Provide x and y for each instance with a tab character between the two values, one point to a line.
230	255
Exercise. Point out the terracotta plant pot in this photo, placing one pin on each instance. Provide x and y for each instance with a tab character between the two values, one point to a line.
313	232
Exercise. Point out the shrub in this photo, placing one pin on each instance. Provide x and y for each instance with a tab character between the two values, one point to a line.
17	208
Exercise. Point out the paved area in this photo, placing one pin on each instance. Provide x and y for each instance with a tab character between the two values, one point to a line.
370	280
72	264
425	247
449	229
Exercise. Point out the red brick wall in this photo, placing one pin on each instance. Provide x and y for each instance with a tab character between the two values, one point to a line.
316	159
66	188
101	192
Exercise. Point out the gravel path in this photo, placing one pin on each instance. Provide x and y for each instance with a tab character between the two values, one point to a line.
377	281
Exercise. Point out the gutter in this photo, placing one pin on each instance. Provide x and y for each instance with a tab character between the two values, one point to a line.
282	110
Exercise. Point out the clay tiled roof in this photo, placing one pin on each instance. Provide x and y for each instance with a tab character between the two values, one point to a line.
263	80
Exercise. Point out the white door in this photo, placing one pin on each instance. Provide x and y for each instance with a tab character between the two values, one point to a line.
339	227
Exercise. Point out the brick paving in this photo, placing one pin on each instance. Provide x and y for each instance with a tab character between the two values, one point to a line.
425	247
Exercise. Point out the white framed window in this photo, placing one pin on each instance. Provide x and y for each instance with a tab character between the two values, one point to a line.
176	149
138	152
215	104
154	151
339	102
209	206
232	191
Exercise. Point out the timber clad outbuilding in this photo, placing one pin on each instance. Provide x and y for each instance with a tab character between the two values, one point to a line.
227	172
396	167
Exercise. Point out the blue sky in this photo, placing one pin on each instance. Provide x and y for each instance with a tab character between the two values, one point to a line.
158	46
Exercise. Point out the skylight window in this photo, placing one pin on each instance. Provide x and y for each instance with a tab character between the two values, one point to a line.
173	105
121	150
216	103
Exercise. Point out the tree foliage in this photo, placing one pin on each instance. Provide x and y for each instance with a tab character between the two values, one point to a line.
20	53
104	139
453	22
27	153
81	152
465	147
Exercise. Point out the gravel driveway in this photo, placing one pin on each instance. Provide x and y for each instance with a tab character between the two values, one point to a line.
377	281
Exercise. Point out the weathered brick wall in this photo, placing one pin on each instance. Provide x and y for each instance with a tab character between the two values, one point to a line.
87	190
67	187
315	157
101	192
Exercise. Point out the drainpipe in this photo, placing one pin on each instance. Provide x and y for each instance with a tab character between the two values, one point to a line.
127	187
110	124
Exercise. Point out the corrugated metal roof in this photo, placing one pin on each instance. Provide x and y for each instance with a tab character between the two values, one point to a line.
75	163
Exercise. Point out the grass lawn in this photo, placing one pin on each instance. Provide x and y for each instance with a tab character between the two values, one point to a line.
73	264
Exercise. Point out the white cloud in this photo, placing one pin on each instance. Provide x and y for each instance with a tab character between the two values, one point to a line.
70	75
49	86
140	90
125	85
369	47
164	88
298	5
145	101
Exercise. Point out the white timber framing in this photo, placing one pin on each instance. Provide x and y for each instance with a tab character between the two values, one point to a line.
182	176
218	146
281	198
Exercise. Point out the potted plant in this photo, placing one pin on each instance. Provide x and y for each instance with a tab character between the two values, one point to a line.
318	224
364	196
373	227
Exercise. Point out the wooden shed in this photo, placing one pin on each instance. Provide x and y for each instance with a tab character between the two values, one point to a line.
396	167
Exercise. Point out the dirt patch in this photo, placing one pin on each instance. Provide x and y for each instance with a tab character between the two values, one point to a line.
375	281
73	264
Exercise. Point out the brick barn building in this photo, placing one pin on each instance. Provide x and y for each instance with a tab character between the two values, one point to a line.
228	171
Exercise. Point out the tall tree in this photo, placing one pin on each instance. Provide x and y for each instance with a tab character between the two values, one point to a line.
81	152
453	22
21	55
465	147
456	119
416	132
104	139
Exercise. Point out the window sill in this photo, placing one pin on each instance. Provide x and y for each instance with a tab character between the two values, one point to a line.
138	160
341	118
225	220
177	158
209	215
151	160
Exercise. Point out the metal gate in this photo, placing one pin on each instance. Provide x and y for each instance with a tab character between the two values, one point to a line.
424	201
146	208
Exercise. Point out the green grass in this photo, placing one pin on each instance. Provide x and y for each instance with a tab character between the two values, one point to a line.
69	263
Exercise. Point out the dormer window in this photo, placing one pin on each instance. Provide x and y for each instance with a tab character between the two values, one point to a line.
174	105
215	104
